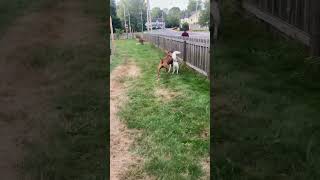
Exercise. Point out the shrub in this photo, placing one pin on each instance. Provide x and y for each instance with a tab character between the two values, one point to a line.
185	26
119	32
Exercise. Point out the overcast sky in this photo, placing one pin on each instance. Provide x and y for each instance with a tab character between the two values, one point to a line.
182	4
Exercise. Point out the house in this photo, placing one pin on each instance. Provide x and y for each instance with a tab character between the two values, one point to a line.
194	18
193	21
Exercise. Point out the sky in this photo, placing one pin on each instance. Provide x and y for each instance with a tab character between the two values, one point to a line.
182	4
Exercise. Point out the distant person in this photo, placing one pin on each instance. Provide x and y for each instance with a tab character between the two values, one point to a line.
185	34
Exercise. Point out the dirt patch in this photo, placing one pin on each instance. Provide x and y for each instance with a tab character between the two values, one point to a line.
205	133
206	168
25	97
164	94
121	138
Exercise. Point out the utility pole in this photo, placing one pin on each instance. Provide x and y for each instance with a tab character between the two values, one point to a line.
111	29
141	21
147	23
125	21
149	16
112	37
130	25
197	9
163	25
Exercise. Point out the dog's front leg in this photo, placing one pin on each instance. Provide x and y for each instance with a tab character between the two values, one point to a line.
169	68
177	69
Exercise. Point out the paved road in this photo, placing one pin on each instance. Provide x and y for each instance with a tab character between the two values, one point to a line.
178	33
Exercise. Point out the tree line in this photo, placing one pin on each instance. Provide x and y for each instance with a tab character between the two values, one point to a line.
137	11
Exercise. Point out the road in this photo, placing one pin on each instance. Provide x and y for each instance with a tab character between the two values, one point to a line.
178	33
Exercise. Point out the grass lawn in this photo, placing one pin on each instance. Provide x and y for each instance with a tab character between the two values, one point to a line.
266	106
175	132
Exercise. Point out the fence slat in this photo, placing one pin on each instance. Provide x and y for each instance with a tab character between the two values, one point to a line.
285	22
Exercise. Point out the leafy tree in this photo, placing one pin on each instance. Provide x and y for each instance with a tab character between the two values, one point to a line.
116	23
204	18
192	5
185	26
185	13
119	32
156	13
134	8
173	17
165	10
113	11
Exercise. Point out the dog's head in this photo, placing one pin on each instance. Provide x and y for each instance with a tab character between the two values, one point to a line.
169	52
176	52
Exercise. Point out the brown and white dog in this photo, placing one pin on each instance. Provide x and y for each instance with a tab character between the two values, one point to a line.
166	62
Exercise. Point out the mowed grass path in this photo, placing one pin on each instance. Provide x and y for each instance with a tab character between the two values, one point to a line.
175	132
266	106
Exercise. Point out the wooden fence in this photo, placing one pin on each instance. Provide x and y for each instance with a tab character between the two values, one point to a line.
194	51
292	17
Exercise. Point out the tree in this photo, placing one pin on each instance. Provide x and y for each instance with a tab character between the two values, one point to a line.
134	7
173	17
119	32
156	13
116	23
185	26
165	10
185	13
192	5
113	10
204	18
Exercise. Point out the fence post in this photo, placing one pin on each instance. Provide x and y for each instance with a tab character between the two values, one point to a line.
315	28
185	51
158	41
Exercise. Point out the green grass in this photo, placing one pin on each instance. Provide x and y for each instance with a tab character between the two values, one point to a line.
171	143
266	106
73	135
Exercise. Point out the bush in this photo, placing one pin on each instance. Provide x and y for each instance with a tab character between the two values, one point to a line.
119	32
185	26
